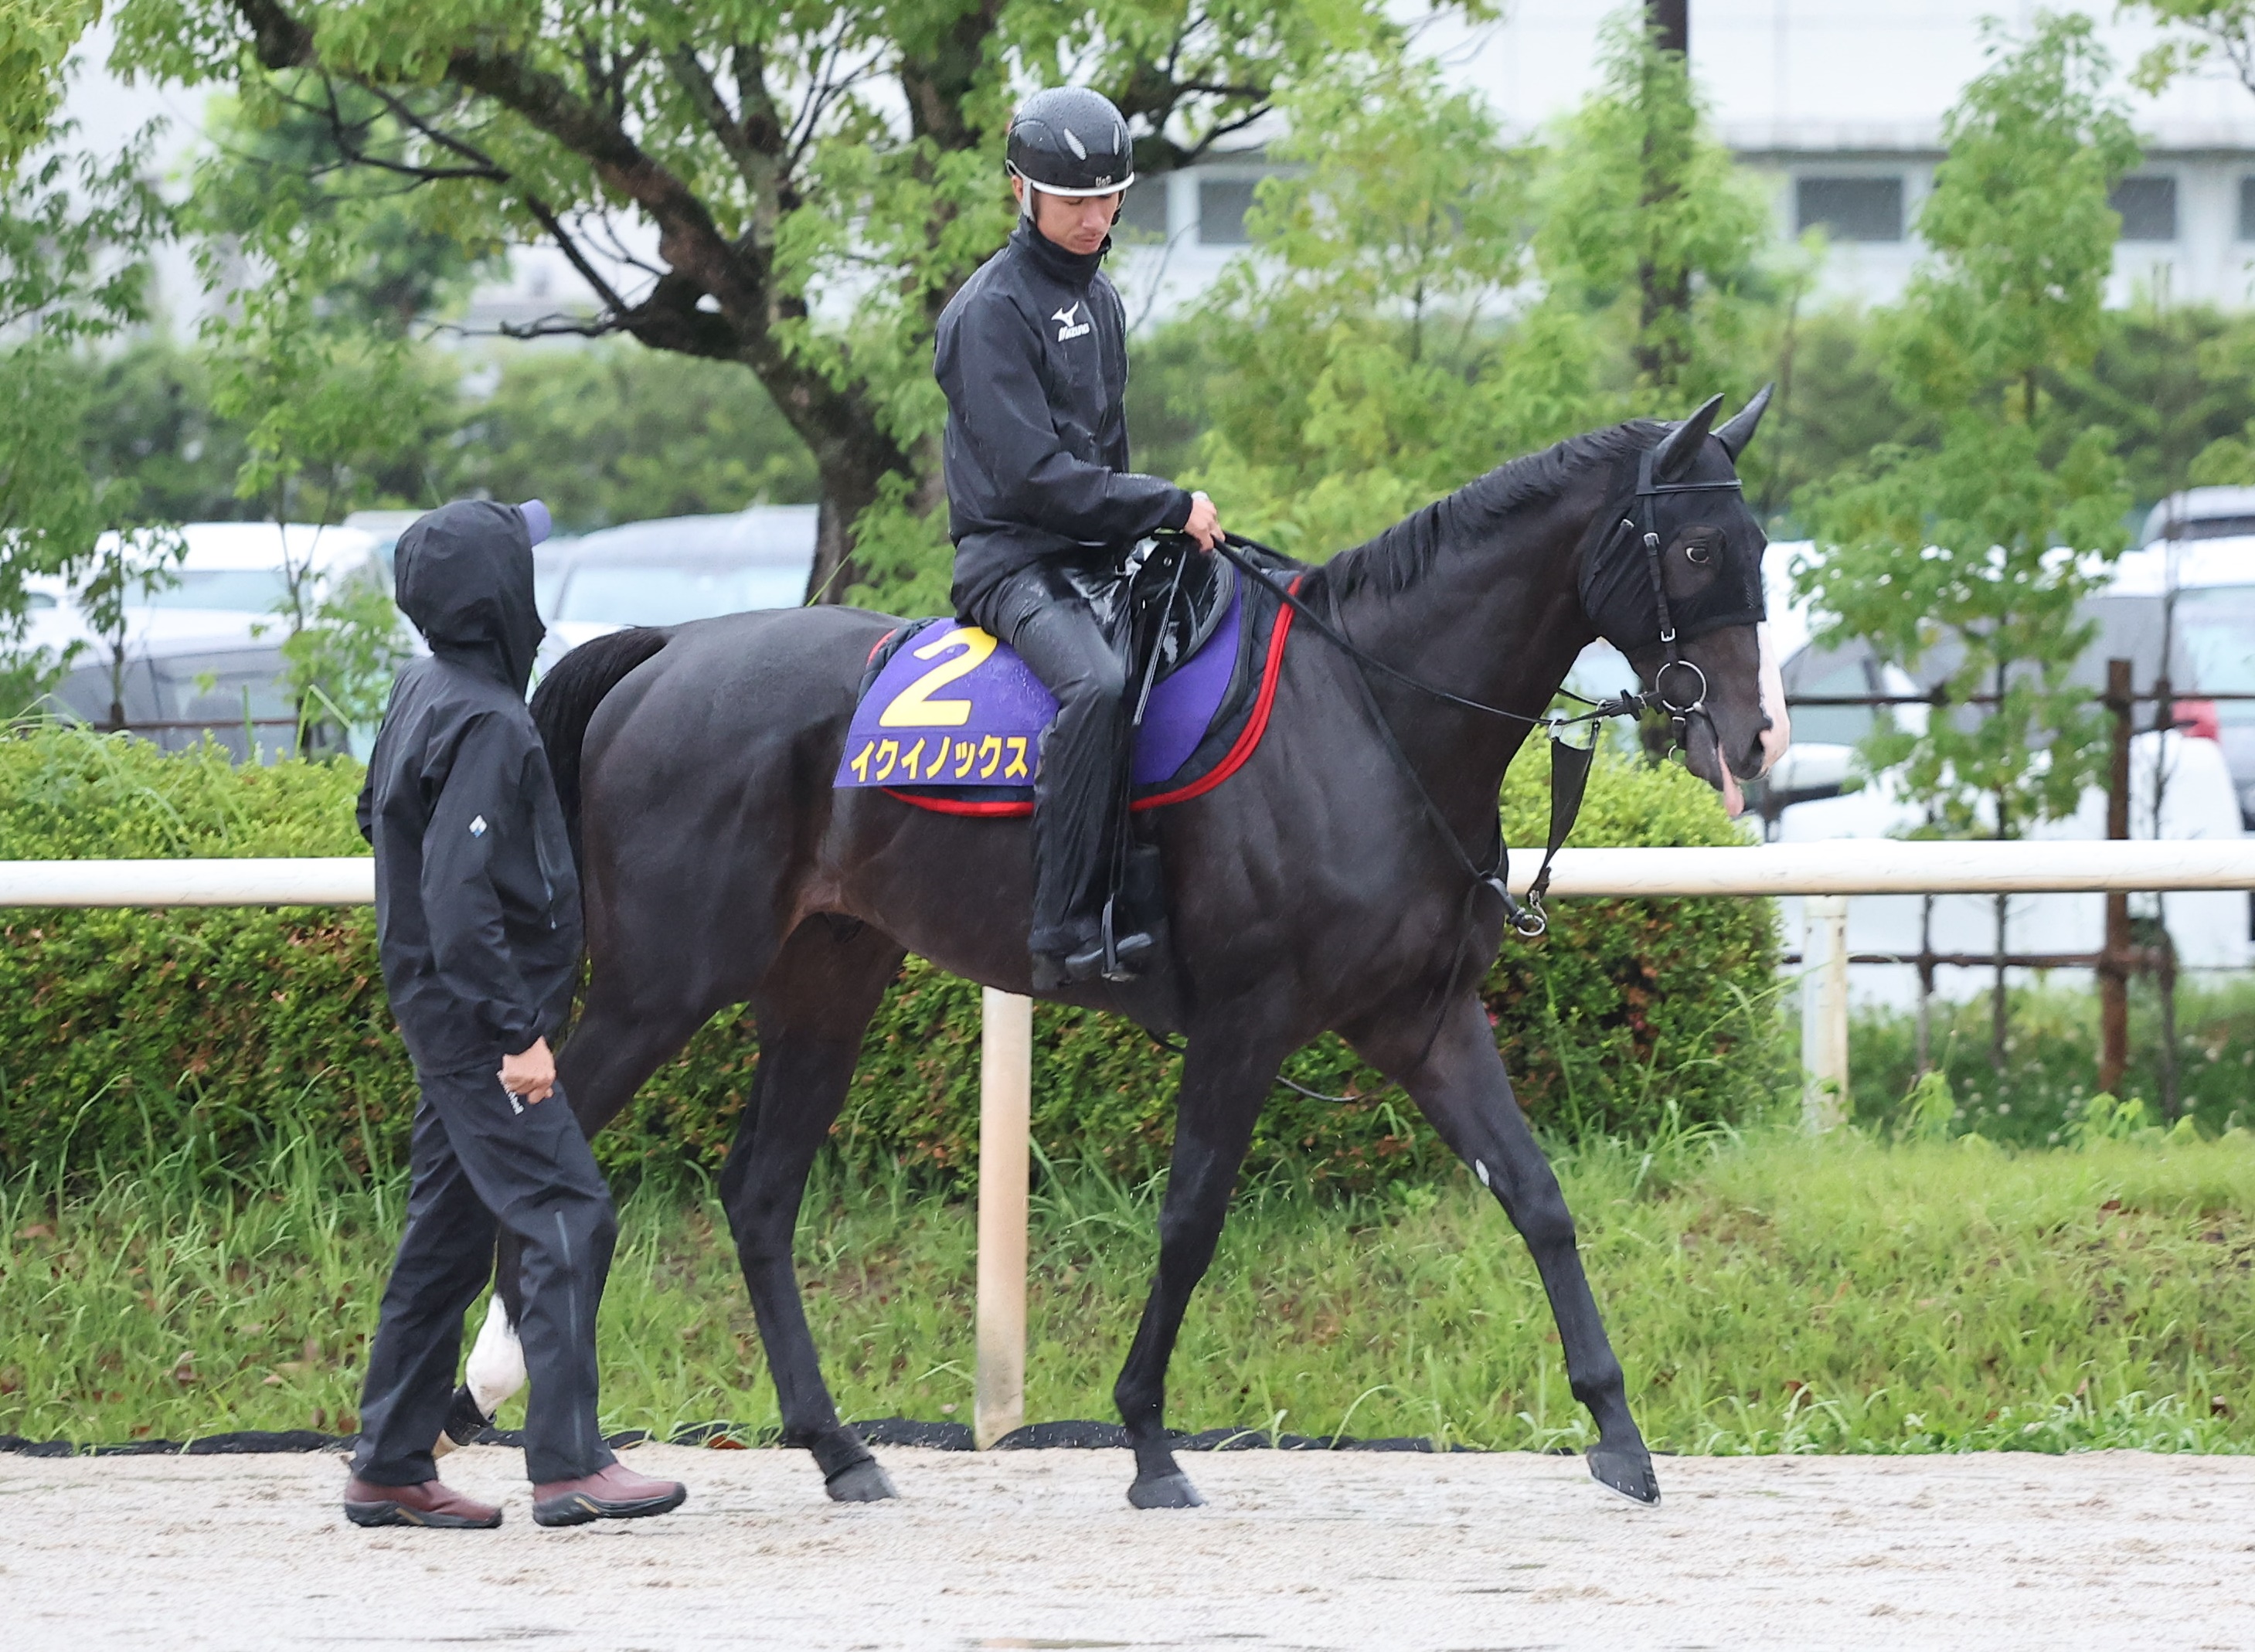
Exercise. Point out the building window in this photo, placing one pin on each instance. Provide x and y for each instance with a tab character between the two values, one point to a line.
1143	214
1222	206
2247	209
2148	207
1850	208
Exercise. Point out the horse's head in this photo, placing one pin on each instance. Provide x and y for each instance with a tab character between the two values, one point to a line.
1674	581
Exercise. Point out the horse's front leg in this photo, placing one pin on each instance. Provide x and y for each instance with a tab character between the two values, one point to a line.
1460	1085
1225	1077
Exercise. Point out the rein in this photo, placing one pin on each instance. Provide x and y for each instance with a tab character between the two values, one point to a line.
1570	763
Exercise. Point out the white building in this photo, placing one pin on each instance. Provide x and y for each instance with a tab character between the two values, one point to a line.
2188	211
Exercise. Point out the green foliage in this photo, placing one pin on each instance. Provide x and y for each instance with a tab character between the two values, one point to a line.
124	573
340	664
335	416
75	232
211	1032
1766	1293
1428	299
1929	1109
2194	34
770	153
2176	384
612	433
294	154
1962	538
1363	370
2052	1056
338	403
151	436
36	40
1646	221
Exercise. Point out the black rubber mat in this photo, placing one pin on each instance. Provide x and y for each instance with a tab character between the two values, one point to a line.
884	1430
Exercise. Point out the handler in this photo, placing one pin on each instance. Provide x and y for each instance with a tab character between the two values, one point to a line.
477	913
1032	353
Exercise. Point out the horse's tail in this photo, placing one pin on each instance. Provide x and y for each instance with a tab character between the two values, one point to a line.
565	702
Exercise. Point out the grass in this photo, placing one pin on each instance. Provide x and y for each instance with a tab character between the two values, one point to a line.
1766	1293
2052	1050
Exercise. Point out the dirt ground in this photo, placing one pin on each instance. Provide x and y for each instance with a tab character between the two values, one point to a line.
1039	1549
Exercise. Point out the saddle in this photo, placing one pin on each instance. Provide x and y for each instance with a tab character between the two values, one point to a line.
950	718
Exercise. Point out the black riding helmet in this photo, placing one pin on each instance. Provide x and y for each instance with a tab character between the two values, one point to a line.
1071	141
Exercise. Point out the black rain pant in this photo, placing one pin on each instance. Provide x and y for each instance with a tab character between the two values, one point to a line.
483	1155
1078	648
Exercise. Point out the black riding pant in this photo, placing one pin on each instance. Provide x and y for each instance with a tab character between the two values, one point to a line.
1078	648
483	1155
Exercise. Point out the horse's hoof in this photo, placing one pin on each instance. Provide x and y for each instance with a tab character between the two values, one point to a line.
1628	1473
866	1482
1168	1491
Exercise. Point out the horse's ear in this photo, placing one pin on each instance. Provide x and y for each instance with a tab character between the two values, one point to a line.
1681	445
1735	434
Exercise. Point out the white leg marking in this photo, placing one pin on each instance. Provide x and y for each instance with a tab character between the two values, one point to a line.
496	1364
1778	734
1479	1169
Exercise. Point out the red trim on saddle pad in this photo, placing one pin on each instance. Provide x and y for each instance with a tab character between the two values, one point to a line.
1248	738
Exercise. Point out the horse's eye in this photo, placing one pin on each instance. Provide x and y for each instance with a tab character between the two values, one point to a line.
1700	553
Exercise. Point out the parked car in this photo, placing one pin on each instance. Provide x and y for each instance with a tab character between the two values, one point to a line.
202	656
2184	600
674	569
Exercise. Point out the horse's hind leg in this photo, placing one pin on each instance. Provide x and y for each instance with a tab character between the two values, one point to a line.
813	1011
1460	1085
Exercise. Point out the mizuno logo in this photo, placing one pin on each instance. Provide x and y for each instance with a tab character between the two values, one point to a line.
1072	327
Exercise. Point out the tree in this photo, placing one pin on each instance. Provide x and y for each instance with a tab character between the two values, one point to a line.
73	233
795	187
1368	356
613	432
150	435
1648	222
2196	34
36	41
308	157
1987	540
125	569
339	408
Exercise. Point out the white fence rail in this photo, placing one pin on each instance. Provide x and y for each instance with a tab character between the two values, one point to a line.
1830	870
341	882
1863	865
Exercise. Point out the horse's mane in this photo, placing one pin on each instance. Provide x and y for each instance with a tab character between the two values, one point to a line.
1398	557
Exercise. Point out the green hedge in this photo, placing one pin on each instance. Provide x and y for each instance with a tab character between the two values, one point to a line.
126	1036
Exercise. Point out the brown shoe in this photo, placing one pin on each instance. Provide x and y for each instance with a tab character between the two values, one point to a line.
430	1504
615	1493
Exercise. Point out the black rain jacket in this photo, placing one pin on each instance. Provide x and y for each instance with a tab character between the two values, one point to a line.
477	904
1033	355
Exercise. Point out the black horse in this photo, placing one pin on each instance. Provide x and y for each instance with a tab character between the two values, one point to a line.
1316	890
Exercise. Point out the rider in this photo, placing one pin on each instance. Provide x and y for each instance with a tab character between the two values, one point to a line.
1032	353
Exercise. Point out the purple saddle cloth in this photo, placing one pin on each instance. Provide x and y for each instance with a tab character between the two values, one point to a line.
954	708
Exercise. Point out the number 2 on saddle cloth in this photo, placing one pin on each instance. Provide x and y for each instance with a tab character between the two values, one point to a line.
950	720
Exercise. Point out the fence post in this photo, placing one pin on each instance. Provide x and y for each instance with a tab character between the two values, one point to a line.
2114	967
1824	1011
1006	1083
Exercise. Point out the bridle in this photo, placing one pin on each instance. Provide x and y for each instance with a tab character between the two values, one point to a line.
1645	519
